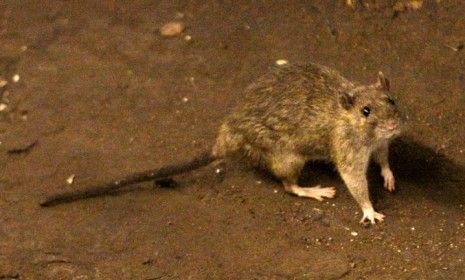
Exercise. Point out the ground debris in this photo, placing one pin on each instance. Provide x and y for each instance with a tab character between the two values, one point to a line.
15	78
456	48
23	150
9	276
401	6
50	258
397	6
281	62
70	179
172	29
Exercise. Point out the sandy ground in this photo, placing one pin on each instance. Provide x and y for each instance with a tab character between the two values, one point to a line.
99	93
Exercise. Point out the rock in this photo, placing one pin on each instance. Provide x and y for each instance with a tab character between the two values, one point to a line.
172	29
15	78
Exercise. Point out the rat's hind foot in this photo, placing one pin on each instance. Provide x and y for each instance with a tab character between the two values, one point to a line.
389	181
371	216
317	192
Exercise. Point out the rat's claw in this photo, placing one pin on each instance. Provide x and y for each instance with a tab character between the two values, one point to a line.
372	216
389	181
326	192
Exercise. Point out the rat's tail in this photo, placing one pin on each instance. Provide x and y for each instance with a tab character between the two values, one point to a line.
110	188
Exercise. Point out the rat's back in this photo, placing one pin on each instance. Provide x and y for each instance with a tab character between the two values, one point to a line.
291	105
290	86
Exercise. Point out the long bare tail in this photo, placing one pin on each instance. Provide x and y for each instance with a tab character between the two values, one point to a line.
110	188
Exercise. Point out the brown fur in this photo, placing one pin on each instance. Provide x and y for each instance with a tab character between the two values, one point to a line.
298	113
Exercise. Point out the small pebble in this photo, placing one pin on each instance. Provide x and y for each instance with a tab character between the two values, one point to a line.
172	29
281	62
3	83
70	179
2	107
354	233
16	78
187	37
275	191
185	99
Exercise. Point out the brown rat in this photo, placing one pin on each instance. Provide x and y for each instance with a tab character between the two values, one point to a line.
297	113
311	112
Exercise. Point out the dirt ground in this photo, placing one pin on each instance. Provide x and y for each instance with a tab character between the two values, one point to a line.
95	92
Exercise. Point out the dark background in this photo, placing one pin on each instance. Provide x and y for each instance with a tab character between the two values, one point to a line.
102	94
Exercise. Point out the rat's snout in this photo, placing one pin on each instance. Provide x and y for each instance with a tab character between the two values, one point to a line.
392	124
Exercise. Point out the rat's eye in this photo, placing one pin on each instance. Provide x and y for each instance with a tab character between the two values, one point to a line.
391	101
366	111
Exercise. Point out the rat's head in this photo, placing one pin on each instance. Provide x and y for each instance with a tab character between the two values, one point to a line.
372	111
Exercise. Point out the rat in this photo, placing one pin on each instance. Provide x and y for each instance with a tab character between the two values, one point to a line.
293	114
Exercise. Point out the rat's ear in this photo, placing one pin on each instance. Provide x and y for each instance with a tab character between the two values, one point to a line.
347	100
383	82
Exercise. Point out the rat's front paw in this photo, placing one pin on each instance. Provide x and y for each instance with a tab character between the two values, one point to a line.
371	216
389	181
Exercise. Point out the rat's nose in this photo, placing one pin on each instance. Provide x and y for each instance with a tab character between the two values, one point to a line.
392	124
